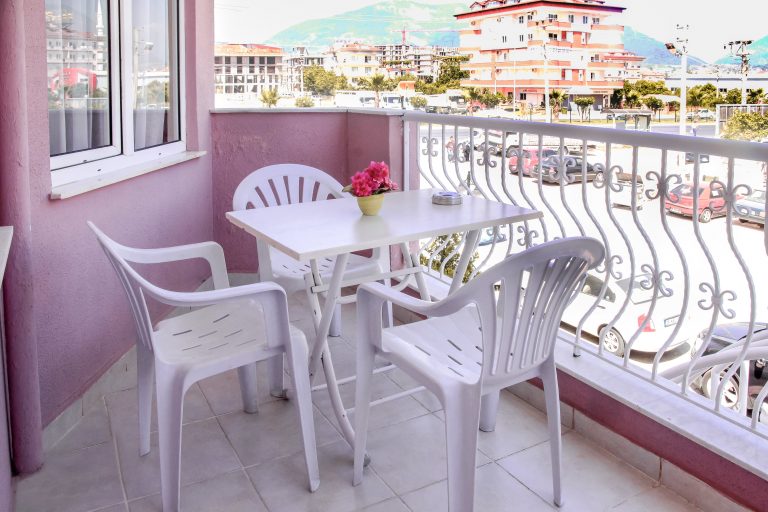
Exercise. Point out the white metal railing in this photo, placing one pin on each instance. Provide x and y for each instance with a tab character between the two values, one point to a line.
668	281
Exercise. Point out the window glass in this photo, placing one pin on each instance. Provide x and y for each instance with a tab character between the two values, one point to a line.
156	76
79	93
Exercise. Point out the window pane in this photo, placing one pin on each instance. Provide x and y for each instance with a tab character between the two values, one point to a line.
156	73
77	41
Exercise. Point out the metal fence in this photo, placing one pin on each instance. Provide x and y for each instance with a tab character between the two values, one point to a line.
678	298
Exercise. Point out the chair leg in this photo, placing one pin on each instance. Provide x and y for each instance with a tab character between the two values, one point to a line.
552	398
462	417
299	363
489	406
247	377
365	361
145	362
170	402
335	328
276	377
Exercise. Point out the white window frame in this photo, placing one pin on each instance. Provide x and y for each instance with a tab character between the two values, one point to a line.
122	154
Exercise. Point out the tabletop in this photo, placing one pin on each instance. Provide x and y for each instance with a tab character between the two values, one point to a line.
321	229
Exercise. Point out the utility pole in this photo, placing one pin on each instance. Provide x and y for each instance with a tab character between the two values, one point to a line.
547	107
680	49
739	49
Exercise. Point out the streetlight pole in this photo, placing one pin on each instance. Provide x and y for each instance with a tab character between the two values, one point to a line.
547	107
680	49
739	49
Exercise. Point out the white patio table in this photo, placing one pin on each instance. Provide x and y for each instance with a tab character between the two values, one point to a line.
335	228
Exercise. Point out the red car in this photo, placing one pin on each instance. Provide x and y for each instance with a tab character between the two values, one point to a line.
530	159
711	201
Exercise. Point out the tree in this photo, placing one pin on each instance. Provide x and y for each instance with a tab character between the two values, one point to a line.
324	83
475	97
376	83
733	97
632	99
584	103
418	102
450	74
556	99
674	106
491	99
646	87
653	103
746	126
269	97
695	97
305	102
617	97
756	96
442	254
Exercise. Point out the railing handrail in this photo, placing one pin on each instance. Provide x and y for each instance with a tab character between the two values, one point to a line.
671	142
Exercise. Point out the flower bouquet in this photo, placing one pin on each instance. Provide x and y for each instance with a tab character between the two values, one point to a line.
369	186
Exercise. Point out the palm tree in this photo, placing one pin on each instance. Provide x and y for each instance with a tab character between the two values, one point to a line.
632	98
269	97
556	98
377	83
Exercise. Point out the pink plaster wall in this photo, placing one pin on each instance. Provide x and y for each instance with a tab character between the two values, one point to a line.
338	143
82	317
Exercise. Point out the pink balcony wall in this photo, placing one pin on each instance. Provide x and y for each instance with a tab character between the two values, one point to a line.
339	143
67	318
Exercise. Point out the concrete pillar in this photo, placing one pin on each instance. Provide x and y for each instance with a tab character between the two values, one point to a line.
16	210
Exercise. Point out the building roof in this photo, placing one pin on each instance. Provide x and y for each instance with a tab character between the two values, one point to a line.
498	6
248	50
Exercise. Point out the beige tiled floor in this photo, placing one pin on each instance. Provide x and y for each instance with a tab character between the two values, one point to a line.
234	462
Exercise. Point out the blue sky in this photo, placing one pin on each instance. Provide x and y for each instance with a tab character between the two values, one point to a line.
712	23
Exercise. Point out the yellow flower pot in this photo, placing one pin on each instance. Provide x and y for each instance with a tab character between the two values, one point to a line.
370	205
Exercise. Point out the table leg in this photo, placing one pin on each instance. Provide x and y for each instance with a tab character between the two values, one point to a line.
470	242
320	353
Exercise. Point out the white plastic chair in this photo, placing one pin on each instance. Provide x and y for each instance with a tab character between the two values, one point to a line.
287	184
498	330
225	330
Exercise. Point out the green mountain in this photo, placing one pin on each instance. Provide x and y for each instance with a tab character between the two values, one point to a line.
759	56
381	23
654	51
425	24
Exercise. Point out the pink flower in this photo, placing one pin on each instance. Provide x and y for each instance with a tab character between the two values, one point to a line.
374	179
378	171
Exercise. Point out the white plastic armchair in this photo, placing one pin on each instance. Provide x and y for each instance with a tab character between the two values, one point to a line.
496	331
287	184
226	328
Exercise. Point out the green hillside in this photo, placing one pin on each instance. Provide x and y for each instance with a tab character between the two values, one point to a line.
381	23
653	50
758	58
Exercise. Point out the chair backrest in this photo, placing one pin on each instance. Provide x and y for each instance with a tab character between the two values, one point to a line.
135	286
284	184
521	302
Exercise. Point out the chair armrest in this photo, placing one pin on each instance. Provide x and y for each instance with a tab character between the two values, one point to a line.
209	251
379	293
211	297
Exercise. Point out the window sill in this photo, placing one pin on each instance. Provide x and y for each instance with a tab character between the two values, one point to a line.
82	186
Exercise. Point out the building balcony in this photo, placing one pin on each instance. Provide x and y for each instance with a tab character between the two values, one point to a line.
635	435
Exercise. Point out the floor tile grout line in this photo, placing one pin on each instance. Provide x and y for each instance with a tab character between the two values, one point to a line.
113	438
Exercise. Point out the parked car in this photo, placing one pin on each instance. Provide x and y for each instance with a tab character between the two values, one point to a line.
691	158
573	167
493	140
725	335
487	238
752	208
530	159
711	201
624	196
703	115
656	331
